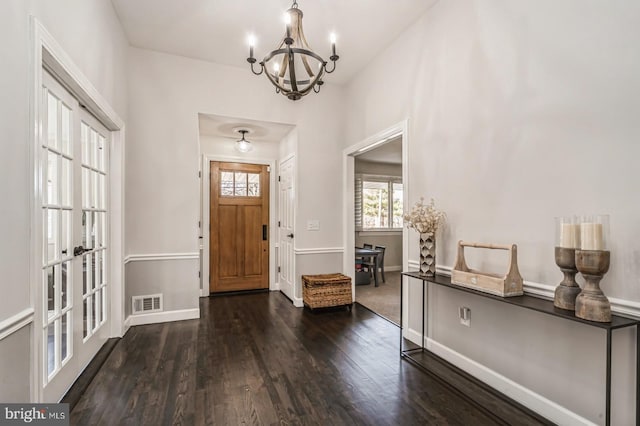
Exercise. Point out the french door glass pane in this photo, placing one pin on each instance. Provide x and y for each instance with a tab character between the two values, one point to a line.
93	199
94	270
84	141
65	129
65	336
97	305
85	317
100	153
50	292
52	178
65	233
64	290
101	278
52	121
53	236
85	276
93	143
65	183
104	305
51	348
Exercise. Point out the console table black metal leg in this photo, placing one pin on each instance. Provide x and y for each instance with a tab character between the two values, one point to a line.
401	292
637	375
424	284
608	394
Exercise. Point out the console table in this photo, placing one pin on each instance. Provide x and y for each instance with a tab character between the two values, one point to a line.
527	302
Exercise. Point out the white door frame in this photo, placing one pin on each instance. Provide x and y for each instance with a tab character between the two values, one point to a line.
206	220
348	173
46	53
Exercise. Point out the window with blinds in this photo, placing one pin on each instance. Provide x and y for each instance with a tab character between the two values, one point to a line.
378	202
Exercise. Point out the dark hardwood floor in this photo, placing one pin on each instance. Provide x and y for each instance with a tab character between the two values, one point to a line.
255	359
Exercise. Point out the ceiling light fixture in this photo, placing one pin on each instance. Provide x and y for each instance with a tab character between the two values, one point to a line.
293	75
243	145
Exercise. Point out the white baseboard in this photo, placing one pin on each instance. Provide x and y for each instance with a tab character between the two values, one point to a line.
158	317
539	404
412	335
298	302
393	268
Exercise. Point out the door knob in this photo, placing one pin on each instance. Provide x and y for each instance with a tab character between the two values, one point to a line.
77	251
290	235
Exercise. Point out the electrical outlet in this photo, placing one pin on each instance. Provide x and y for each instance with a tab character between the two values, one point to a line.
465	316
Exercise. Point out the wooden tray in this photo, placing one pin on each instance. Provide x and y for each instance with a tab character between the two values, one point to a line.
506	285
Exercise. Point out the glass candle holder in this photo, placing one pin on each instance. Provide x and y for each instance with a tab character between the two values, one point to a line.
568	232
594	232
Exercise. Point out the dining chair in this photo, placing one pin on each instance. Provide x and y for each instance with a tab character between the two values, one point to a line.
381	261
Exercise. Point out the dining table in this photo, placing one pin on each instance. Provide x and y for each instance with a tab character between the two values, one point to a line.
371	253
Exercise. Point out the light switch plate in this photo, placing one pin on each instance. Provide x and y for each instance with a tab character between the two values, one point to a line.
313	225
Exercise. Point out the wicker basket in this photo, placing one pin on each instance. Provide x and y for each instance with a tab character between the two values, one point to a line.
327	290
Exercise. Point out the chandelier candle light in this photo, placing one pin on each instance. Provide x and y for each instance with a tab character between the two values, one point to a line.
426	220
296	69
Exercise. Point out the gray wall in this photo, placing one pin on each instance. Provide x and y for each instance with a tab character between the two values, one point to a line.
15	375
90	33
519	112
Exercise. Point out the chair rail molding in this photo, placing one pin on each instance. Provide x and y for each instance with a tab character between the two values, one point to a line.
318	250
15	322
161	256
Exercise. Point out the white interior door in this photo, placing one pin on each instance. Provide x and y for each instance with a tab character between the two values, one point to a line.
74	171
286	210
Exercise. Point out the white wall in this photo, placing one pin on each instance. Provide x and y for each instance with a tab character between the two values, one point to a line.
519	112
91	35
167	93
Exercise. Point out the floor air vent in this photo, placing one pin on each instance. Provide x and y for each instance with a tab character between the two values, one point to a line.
146	304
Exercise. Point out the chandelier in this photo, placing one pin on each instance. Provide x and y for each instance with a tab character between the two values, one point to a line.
293	67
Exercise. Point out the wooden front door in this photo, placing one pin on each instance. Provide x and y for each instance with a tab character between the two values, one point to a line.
239	232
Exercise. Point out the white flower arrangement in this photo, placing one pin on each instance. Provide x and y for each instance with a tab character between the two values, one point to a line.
424	219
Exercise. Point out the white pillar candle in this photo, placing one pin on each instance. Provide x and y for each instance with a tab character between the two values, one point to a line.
591	236
569	235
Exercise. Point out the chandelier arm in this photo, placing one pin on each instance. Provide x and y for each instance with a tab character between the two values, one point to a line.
314	88
261	68
329	71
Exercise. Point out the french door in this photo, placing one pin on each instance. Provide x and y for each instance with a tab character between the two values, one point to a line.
74	166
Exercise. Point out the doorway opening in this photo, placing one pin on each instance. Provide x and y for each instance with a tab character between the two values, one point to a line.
375	239
238	226
378	214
